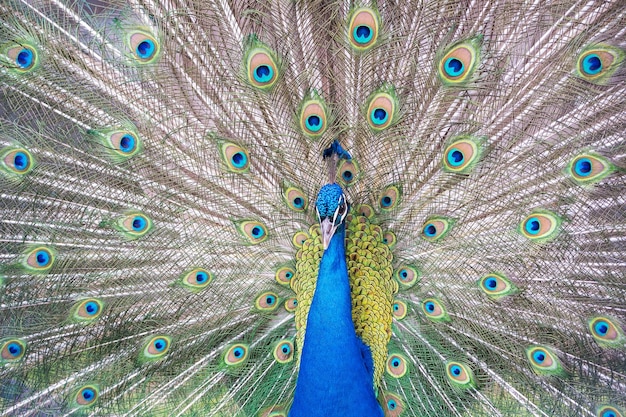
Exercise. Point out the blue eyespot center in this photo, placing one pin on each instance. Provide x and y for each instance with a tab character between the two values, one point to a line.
379	116
88	394
609	413
263	73
454	67
239	159
20	161
533	225
91	308
455	157
257	231
238	352
404	273
24	58
583	167
160	345
539	356
386	201
395	363
145	49
127	143
391	404
139	223
43	258
201	277
601	328
285	348
456	370
363	34
314	123
492	283
289	275
298	202
430	306
14	349
347	175
592	64
430	230
270	299
396	307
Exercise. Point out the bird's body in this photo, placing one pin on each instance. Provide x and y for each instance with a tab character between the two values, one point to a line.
159	254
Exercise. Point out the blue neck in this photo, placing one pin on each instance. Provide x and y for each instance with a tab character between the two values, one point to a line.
335	377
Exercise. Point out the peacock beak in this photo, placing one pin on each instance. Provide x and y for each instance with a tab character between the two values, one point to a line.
328	230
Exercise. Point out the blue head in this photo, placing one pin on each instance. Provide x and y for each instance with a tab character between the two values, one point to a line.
332	209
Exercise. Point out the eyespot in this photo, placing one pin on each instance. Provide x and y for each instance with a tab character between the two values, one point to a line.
606	332
348	172
407	276
23	58
365	210
236	354
267	301
255	232
396	365
363	29
123	144
196	279
461	155
460	375
393	405
399	309
16	161
543	360
436	228
156	348
86	395
144	47
12	350
597	63
235	157
496	286
390	239
291	304
299	238
39	259
284	275
389	198
434	310
295	199
540	226
381	110
459	62
313	117
133	224
261	65
609	411
283	351
589	168
87	310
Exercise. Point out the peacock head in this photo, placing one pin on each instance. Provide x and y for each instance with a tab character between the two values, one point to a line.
332	208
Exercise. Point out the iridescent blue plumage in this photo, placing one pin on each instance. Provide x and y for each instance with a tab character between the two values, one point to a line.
335	376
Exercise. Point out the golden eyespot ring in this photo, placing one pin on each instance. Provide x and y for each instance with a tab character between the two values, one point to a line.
363	29
262	69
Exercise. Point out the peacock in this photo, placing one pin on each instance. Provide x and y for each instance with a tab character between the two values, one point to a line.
313	208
